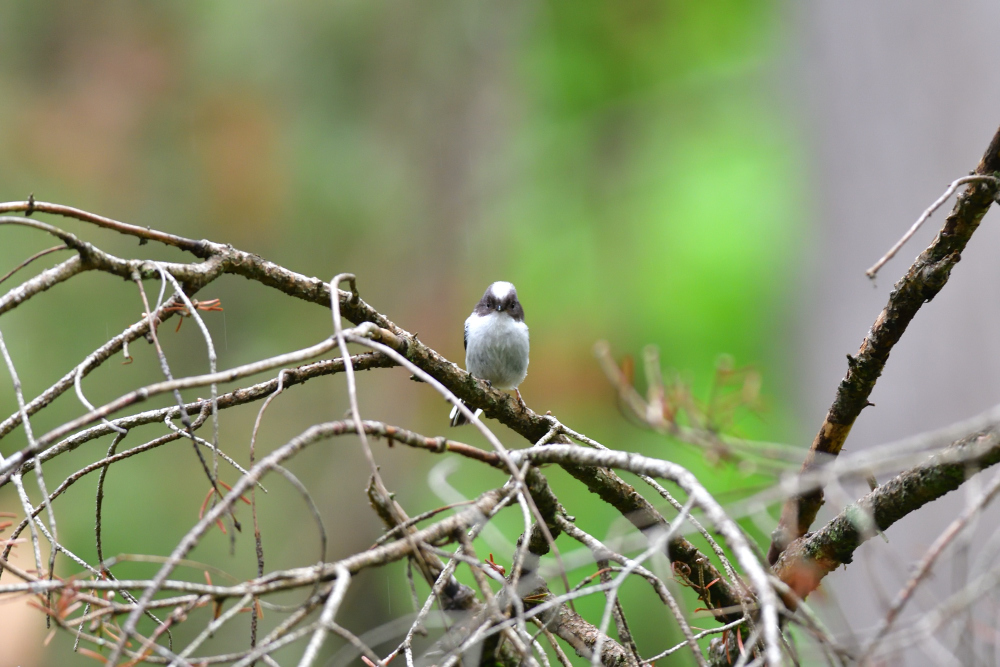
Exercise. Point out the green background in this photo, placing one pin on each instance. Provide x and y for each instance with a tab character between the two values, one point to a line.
631	166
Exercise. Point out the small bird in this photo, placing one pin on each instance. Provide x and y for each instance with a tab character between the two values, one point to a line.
496	342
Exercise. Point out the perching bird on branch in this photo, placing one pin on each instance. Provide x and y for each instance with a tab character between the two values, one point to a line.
496	342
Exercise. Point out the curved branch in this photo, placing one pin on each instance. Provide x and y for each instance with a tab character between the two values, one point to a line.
25	457
643	465
197	248
379	555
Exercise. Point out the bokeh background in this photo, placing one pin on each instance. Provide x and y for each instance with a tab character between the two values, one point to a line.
708	177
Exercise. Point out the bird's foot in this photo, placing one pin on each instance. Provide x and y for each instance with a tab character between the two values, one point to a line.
520	401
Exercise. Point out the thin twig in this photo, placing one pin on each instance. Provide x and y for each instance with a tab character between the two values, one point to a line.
700	635
949	191
31	259
196	248
53	536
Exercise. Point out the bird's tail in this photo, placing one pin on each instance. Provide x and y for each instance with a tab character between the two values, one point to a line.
457	418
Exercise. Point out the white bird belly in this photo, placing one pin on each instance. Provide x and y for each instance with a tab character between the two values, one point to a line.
497	349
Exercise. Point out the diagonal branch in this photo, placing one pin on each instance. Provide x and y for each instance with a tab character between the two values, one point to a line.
922	282
807	560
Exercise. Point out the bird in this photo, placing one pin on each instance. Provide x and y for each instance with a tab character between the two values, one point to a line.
496	342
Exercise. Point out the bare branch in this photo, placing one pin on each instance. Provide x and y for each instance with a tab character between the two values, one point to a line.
811	558
196	248
656	468
924	279
45	280
949	191
37	255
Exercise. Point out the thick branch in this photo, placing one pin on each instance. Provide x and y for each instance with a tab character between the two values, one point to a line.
922	282
807	560
582	636
45	280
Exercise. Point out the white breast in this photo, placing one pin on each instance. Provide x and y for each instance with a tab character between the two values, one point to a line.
497	349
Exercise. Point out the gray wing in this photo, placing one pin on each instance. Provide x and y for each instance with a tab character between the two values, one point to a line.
465	341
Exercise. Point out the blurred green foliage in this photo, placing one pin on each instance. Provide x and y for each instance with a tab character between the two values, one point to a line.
628	165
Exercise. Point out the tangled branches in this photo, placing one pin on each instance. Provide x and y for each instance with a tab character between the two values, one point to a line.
503	616
483	620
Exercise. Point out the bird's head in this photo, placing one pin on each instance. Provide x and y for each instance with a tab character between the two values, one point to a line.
500	297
